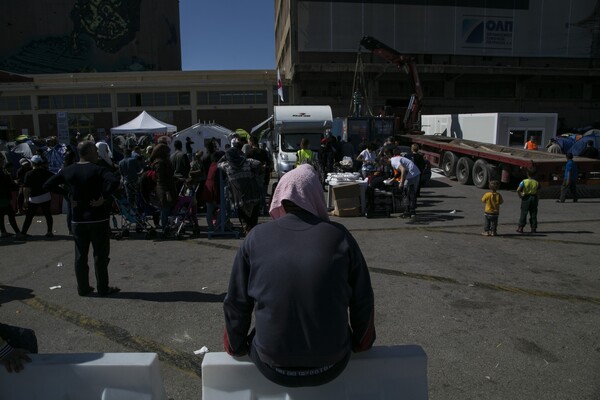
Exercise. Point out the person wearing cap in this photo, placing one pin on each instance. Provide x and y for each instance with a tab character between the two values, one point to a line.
307	284
7	185
36	196
90	187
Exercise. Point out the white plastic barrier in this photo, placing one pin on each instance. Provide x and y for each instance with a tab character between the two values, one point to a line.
102	376
395	372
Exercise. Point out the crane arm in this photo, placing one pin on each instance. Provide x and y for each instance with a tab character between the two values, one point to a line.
408	65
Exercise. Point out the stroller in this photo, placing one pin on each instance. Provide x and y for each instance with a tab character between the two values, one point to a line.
185	212
124	216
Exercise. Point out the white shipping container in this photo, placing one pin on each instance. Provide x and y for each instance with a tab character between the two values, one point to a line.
506	129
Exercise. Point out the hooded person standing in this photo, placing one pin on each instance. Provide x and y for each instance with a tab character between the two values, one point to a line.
307	283
241	174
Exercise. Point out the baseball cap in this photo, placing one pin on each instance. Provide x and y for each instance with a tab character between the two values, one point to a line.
37	159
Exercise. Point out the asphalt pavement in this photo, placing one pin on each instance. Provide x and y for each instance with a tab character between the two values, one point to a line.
515	316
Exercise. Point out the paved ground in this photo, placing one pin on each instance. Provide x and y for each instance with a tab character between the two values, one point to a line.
510	317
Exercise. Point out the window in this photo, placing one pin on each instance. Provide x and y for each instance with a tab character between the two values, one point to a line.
487	89
44	102
15	103
153	99
78	101
231	97
554	90
202	98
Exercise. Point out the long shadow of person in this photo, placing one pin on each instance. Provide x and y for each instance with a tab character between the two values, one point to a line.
13	293
172	297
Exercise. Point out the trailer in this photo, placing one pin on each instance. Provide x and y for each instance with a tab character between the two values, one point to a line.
472	162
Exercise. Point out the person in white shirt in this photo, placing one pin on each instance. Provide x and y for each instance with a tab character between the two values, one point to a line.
407	174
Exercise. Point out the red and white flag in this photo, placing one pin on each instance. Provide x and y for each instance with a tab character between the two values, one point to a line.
279	86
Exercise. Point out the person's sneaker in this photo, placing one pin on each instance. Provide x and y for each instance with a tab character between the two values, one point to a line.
485	234
533	230
22	236
111	290
559	201
493	234
520	229
5	234
86	292
49	235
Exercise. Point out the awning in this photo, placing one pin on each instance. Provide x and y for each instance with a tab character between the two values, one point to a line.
257	127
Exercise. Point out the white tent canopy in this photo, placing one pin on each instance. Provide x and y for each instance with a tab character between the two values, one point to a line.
144	123
199	134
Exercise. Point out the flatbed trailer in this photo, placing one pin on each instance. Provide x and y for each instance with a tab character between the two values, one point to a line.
477	163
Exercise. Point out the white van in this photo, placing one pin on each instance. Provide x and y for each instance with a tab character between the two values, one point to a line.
291	125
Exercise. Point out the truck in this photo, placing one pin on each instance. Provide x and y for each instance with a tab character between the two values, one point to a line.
474	162
359	130
506	129
290	125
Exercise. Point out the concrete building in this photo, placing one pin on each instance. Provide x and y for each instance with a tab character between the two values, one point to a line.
472	56
96	102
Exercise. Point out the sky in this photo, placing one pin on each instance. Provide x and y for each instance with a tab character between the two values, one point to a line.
227	34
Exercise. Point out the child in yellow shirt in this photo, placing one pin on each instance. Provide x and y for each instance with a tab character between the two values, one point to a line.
492	200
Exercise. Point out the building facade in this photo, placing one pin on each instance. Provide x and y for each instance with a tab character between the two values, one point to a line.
472	56
96	102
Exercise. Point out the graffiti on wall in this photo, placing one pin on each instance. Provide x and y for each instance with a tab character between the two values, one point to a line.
104	37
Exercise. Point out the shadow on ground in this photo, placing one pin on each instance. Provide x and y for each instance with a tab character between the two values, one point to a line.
14	293
171	297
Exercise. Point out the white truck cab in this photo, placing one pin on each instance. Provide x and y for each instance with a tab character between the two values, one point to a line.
290	125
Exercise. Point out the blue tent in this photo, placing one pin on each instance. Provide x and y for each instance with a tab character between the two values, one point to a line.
565	143
581	144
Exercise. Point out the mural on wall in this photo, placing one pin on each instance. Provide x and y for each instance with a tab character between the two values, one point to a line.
99	35
110	23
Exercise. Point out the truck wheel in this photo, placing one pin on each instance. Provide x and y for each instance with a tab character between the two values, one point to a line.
449	163
464	168
481	174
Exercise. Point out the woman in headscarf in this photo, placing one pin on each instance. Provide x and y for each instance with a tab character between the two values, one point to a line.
165	183
105	157
308	284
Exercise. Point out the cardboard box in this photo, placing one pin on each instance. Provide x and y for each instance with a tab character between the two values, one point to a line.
347	212
346	191
346	200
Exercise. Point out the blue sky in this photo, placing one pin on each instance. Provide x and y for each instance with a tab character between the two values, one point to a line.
227	34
